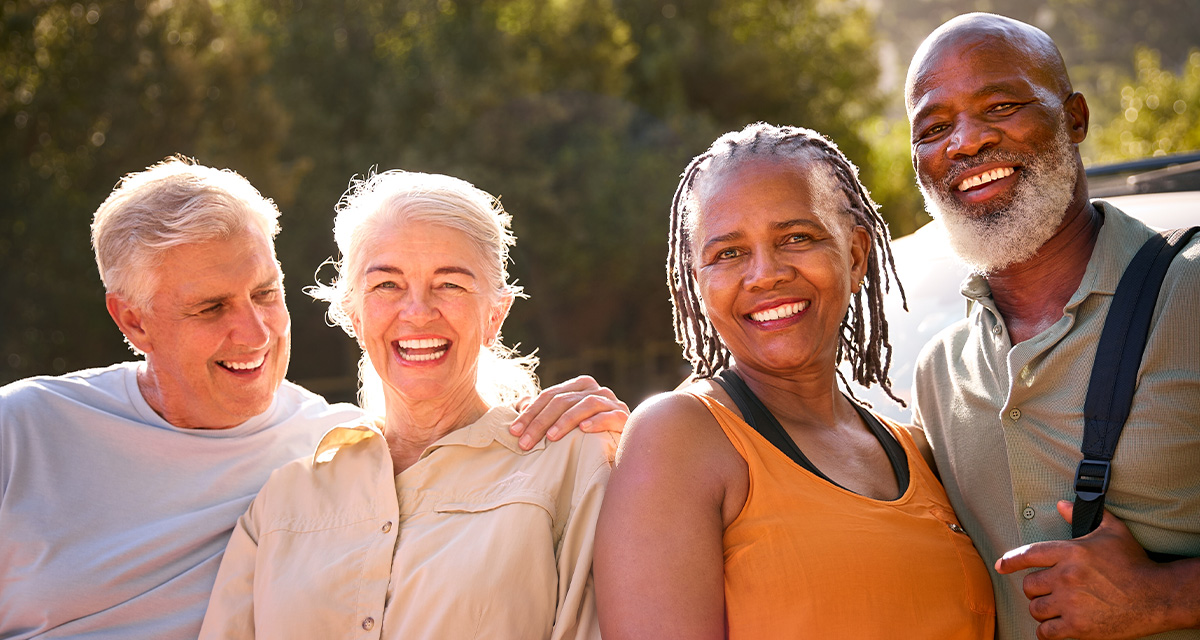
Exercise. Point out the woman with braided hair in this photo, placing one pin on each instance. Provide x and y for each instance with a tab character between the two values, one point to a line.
760	500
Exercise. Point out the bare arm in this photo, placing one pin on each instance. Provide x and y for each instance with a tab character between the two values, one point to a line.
659	559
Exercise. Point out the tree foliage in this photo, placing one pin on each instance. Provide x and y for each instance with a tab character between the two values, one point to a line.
1159	115
579	114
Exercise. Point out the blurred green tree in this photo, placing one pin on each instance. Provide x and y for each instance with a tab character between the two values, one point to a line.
579	114
88	92
1159	115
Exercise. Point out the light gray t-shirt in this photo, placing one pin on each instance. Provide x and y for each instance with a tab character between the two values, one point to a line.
112	521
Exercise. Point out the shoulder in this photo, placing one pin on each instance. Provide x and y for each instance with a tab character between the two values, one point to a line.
101	390
1184	273
296	402
74	383
943	346
675	431
675	417
348	455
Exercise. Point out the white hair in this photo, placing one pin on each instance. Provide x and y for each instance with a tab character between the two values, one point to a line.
988	241
171	203
387	200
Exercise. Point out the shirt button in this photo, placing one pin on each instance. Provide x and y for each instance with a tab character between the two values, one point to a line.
955	528
1015	414
368	624
387	526
1028	513
997	330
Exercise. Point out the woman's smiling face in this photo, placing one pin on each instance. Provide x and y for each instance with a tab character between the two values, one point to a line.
425	309
776	257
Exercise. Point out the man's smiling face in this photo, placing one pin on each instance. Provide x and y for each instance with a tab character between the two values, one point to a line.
217	333
992	146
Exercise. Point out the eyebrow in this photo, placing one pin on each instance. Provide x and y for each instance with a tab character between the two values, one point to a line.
782	225
983	92
439	271
269	283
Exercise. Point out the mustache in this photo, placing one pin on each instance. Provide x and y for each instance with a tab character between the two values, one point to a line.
985	156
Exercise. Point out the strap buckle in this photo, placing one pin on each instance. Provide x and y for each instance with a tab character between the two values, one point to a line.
1091	479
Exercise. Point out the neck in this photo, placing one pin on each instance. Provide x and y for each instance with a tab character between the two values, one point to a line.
152	392
411	426
1031	295
809	400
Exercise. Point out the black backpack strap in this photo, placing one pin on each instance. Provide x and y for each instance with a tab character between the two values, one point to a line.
1114	374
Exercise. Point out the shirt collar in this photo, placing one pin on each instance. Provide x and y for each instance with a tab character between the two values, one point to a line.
492	427
1120	237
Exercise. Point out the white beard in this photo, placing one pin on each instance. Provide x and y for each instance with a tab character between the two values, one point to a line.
988	238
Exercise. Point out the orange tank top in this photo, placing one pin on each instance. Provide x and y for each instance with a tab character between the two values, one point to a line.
808	559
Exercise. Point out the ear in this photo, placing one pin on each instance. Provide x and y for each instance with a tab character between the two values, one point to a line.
860	251
496	318
130	320
1077	116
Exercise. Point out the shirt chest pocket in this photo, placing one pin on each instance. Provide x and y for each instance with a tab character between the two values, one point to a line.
316	579
496	553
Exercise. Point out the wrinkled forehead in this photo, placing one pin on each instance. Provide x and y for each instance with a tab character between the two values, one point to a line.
820	192
972	58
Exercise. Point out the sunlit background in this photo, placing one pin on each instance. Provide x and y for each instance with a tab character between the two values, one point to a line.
579	114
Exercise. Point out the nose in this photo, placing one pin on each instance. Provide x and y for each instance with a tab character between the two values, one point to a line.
970	136
767	271
418	308
250	327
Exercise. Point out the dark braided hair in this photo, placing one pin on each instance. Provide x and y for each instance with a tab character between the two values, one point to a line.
863	342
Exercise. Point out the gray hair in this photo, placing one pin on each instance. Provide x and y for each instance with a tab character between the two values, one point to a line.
864	331
171	203
383	201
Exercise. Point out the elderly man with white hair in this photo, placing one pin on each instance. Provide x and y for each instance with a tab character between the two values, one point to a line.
120	486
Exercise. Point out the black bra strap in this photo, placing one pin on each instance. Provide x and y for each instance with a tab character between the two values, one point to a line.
758	416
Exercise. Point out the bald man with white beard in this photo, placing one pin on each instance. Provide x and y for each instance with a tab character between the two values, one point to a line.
995	134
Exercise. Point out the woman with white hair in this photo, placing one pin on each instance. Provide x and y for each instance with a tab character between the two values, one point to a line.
427	519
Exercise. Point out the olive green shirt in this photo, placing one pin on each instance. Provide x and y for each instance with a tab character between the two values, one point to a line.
1005	422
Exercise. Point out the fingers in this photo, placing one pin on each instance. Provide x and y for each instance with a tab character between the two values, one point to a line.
1032	556
577	403
529	410
1053	629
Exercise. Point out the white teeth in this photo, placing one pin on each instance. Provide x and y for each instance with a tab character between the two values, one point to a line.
242	366
424	343
404	346
782	311
985	177
424	357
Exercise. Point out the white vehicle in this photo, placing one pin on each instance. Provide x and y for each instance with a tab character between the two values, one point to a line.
1162	192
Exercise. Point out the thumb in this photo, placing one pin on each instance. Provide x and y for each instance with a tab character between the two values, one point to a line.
1066	509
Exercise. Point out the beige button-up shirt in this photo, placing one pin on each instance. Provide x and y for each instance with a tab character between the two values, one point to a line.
1006	421
477	539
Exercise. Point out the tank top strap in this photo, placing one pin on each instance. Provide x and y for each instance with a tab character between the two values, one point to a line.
736	429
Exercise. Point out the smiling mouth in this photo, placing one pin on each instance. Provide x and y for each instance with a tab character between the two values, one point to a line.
242	367
780	312
985	178
422	350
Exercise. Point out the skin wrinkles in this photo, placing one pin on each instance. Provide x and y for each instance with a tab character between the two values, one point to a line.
215	303
1101	585
982	131
419	284
750	262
